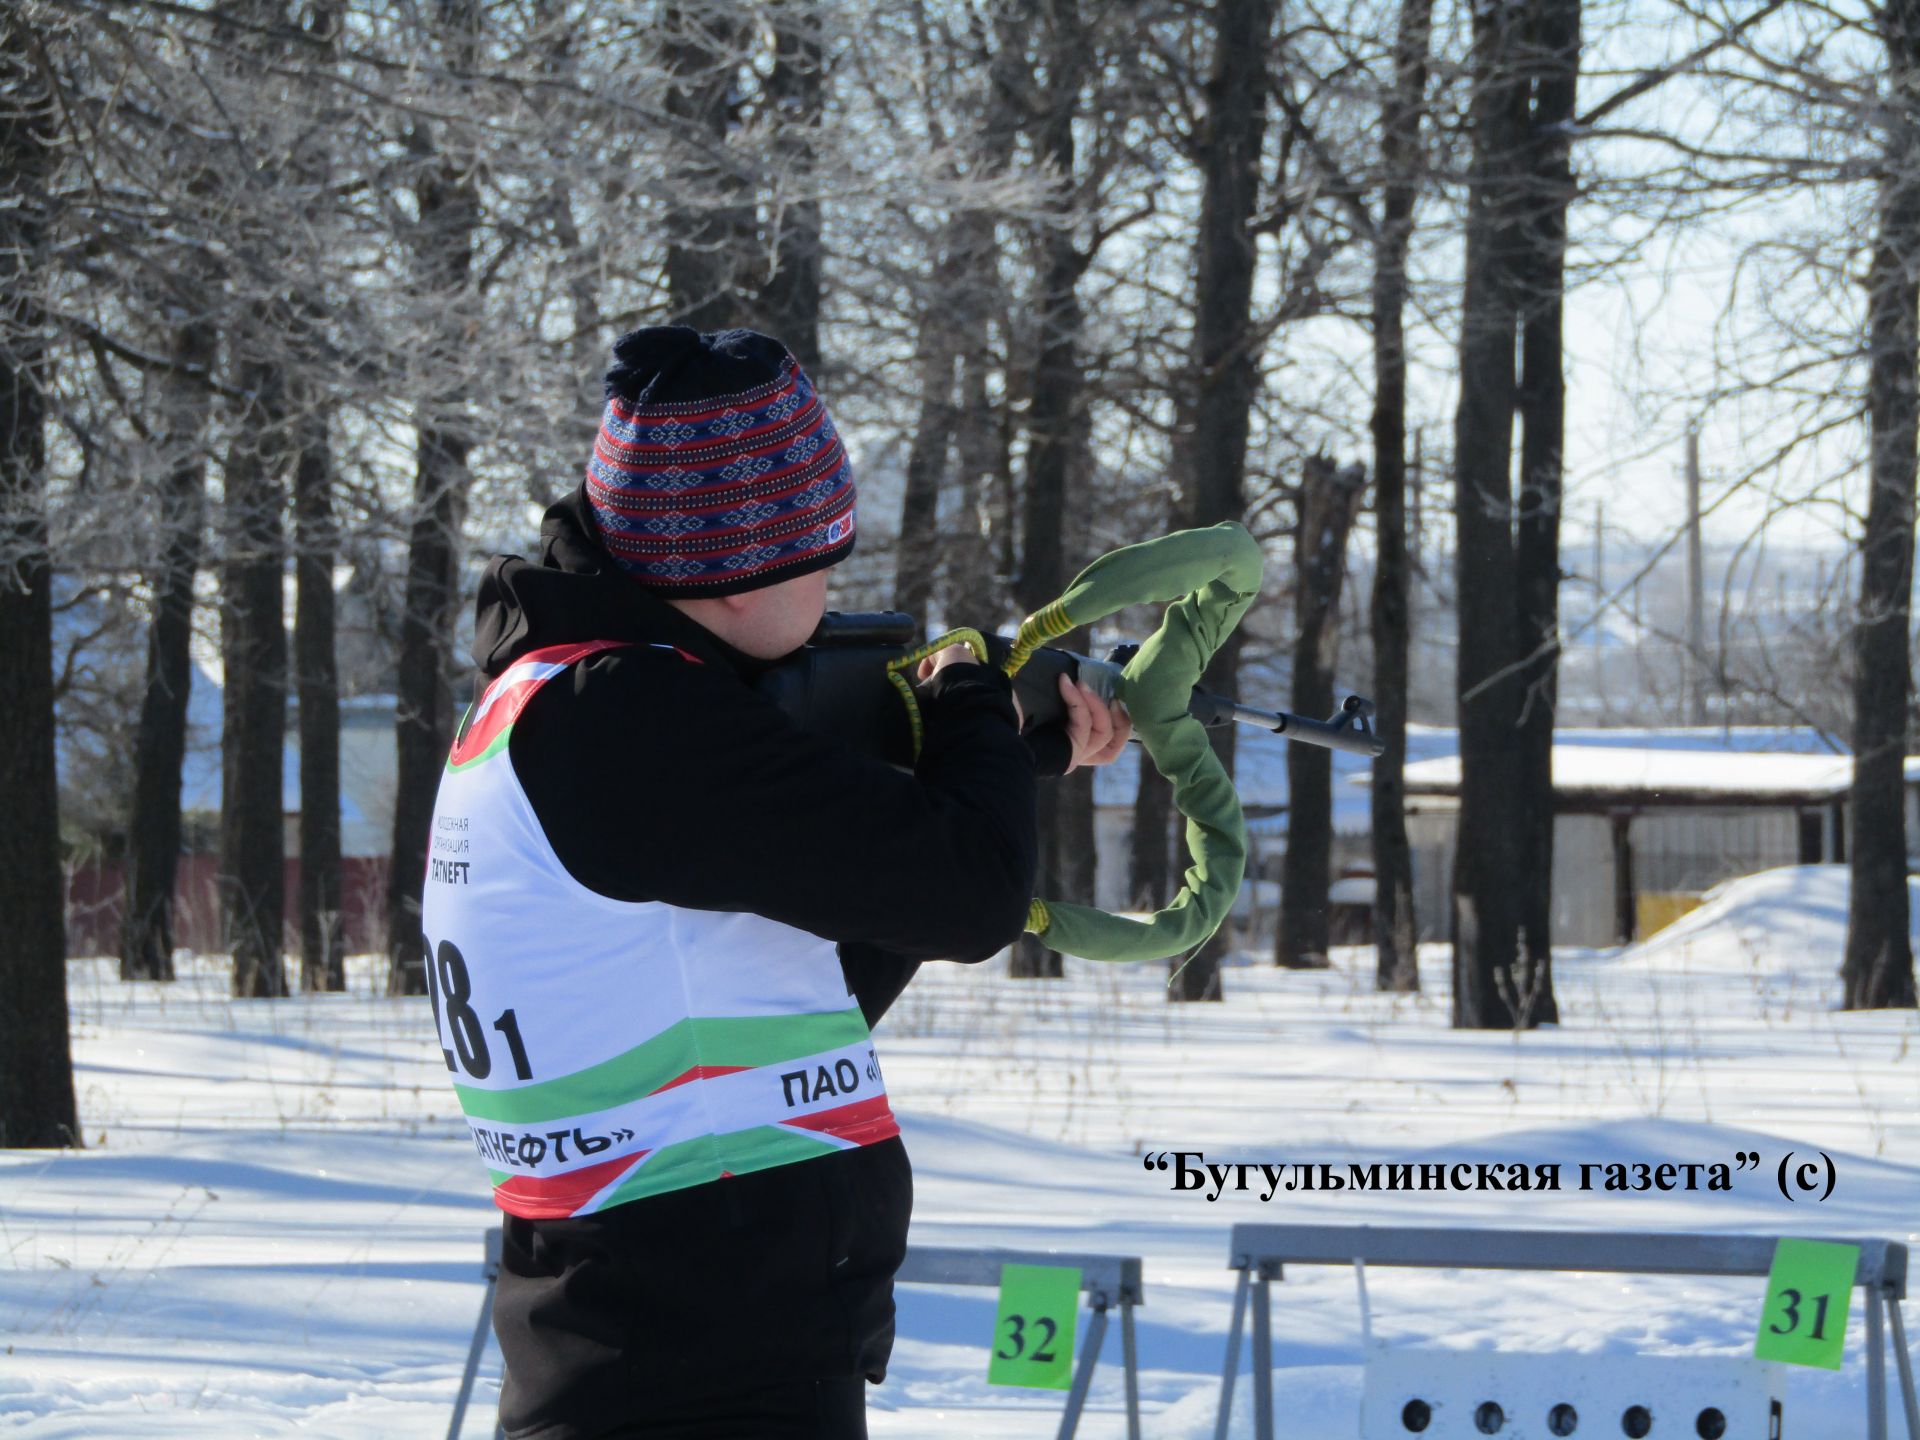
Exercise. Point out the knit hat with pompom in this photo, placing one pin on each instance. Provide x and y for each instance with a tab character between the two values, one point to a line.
717	468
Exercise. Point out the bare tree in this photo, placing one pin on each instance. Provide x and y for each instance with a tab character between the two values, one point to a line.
447	194
710	218
789	300
253	652
1505	584
935	352
316	665
153	829
957	421
1057	426
1226	346
983	427
1394	927
1554	52
1329	501
1485	923
317	686
36	1069
1878	969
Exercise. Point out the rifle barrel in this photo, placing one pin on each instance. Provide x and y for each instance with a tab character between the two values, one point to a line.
1350	730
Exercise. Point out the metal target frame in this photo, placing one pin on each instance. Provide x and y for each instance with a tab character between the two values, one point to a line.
1261	1252
1109	1281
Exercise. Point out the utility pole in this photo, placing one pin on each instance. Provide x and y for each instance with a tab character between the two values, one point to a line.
1696	603
1599	599
1416	474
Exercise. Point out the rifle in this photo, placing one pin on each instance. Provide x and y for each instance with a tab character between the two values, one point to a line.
1206	578
837	683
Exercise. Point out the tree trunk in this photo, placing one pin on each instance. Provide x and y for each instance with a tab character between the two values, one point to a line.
583	290
36	1066
1485	928
1078	837
1487	861
1878	971
1075	832
253	652
710	220
974	574
1054	430
315	659
559	60
790	299
317	684
153	825
1329	501
1148	860
1067	854
1543	403
449	204
920	538
1395	930
1225	364
424	725
953	335
1056	426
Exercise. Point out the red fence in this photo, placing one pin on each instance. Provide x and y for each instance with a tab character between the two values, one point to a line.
96	895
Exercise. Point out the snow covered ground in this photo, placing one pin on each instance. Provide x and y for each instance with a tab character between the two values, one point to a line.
276	1226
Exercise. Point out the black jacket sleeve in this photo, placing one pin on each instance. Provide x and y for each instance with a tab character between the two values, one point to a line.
656	778
1052	749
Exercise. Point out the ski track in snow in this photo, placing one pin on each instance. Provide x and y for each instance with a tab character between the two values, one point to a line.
276	1228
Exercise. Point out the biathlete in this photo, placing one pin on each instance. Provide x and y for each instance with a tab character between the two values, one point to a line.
662	919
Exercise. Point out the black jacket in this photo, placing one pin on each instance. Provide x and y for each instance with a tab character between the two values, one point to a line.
659	779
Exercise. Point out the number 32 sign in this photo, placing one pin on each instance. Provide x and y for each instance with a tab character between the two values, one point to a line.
1033	1331
1808	1294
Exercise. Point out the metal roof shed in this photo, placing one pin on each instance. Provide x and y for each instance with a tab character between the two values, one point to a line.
1638	832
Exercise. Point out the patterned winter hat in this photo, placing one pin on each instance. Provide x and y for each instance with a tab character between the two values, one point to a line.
717	468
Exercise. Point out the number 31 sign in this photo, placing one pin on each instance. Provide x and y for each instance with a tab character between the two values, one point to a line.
1033	1331
1808	1295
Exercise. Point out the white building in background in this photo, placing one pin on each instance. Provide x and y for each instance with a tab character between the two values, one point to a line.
1648	820
1642	831
369	767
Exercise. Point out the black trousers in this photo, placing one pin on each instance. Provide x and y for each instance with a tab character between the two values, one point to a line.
803	1410
681	1307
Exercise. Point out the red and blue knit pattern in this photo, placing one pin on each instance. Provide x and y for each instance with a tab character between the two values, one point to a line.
707	497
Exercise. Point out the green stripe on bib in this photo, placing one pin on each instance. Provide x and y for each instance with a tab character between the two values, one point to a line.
743	1041
494	747
698	1161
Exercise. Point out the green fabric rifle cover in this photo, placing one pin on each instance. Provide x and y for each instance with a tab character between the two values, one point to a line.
1211	576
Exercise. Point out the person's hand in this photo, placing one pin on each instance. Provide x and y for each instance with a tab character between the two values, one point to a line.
955	654
1098	731
960	654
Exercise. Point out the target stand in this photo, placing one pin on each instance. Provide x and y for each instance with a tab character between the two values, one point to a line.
1453	1388
489	1272
1110	1282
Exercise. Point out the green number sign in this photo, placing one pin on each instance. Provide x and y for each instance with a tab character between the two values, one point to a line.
1033	1331
1809	1291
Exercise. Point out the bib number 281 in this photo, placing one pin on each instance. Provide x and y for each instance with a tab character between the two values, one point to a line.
451	989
